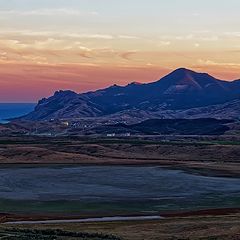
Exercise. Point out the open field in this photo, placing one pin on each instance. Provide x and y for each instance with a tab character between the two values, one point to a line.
84	191
205	155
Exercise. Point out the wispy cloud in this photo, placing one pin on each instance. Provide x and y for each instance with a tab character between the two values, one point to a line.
186	37
222	64
65	34
127	37
209	38
232	34
201	36
90	36
47	12
164	43
127	55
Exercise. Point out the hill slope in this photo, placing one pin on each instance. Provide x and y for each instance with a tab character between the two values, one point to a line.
201	126
180	90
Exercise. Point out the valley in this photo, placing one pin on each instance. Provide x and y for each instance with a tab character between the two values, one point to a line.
142	161
203	153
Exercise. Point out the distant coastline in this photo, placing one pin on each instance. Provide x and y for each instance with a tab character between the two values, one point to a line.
12	110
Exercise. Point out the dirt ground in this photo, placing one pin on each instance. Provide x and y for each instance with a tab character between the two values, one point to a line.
192	228
206	157
218	158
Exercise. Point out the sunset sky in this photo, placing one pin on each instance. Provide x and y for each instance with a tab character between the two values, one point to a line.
84	45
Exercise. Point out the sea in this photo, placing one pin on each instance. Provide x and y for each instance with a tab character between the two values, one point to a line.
13	110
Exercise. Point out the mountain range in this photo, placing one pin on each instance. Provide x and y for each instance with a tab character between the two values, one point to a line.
183	93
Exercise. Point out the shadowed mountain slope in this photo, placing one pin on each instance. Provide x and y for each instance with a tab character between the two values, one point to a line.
180	90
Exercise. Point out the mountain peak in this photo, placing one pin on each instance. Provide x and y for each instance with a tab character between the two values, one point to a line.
183	71
180	89
179	75
185	81
188	75
64	93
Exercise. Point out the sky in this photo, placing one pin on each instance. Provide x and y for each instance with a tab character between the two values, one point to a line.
85	45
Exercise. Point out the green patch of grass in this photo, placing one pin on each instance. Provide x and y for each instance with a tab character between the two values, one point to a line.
225	142
110	141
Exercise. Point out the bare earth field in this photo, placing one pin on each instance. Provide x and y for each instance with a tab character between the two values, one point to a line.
221	158
224	227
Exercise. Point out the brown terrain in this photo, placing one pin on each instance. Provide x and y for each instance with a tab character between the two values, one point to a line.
218	156
206	227
204	155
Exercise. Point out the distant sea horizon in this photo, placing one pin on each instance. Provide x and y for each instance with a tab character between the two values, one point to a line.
14	110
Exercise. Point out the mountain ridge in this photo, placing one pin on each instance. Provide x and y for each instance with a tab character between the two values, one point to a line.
179	90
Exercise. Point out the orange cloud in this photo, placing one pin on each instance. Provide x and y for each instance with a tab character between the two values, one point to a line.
33	66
